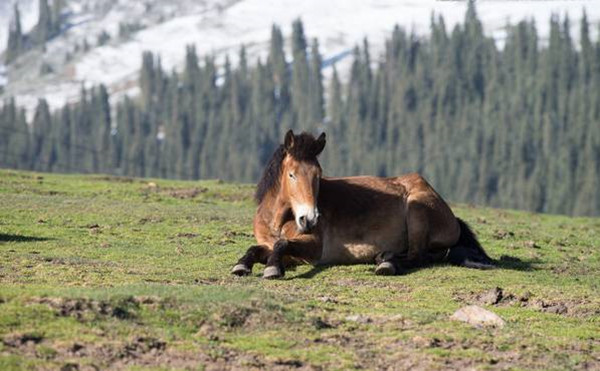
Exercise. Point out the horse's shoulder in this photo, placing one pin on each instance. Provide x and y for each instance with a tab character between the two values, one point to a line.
413	180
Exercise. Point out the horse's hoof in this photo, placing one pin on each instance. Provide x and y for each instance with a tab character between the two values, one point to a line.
272	272
385	269
241	270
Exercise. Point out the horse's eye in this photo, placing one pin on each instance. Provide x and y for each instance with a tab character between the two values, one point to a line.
292	176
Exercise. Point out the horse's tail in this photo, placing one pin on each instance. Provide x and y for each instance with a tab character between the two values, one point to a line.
468	251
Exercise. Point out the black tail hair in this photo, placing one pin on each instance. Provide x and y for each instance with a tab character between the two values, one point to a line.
468	251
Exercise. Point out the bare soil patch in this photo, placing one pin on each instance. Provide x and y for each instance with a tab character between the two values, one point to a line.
499	297
86	309
179	193
114	178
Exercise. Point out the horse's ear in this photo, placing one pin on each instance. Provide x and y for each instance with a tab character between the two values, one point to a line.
319	144
289	139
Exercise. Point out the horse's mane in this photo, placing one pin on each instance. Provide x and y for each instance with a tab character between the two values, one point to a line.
270	176
302	150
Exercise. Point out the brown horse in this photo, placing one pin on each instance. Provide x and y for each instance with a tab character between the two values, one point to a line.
397	223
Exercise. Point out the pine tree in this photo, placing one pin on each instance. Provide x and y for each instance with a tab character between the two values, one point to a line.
147	81
332	159
277	64
14	46
44	29
17	149
315	89
300	77
101	128
41	149
63	139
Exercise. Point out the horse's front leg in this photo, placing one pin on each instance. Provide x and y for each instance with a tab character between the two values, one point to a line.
304	247
255	254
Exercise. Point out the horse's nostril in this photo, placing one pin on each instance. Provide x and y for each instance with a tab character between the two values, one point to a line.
304	222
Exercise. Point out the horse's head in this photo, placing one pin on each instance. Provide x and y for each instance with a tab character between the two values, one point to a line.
300	177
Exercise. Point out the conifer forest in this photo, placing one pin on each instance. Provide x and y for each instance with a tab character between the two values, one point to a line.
515	125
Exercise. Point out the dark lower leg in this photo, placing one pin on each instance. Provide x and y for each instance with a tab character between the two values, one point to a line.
276	258
255	254
306	249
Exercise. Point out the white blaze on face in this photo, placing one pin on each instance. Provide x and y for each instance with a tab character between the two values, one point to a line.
309	213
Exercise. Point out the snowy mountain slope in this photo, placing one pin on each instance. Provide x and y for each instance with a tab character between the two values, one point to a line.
219	27
29	16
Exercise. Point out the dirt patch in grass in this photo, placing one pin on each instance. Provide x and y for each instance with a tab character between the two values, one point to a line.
425	351
151	219
152	352
579	308
374	353
141	351
73	261
19	339
234	234
185	235
501	234
114	178
184	193
488	297
252	316
43	192
179	193
87	309
234	197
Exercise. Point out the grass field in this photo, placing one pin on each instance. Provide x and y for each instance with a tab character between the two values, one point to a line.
102	272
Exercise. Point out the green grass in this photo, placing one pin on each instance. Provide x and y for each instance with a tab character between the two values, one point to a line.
124	273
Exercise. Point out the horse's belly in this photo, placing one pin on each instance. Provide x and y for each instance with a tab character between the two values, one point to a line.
337	250
349	253
360	244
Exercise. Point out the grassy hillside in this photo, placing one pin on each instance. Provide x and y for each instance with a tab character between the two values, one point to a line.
99	272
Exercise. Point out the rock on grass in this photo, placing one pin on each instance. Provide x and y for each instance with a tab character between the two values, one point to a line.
477	316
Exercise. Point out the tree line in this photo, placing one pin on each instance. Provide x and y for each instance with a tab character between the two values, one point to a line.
511	127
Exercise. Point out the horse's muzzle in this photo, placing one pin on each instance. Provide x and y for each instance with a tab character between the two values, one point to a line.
306	224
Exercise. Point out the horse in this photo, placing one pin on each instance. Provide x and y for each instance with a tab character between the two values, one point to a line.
396	223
